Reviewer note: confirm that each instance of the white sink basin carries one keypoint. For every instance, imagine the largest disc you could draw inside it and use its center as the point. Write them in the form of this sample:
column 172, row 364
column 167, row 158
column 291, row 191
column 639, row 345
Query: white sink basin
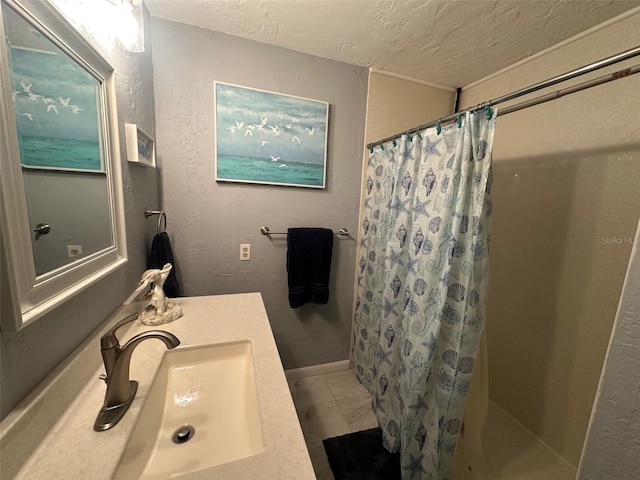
column 211, row 388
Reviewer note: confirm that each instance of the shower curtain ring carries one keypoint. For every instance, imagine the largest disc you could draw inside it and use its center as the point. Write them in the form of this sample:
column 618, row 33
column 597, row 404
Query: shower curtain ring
column 438, row 127
column 488, row 112
column 459, row 121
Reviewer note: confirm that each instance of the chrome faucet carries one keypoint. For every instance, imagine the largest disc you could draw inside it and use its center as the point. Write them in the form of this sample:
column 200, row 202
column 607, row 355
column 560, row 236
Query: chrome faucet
column 120, row 390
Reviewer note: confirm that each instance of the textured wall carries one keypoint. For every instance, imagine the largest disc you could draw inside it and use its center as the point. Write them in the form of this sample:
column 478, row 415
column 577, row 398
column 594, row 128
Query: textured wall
column 28, row 356
column 207, row 221
column 565, row 198
column 612, row 448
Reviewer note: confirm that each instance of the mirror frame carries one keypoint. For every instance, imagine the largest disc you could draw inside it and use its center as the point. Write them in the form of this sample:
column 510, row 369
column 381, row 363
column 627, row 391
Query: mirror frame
column 25, row 295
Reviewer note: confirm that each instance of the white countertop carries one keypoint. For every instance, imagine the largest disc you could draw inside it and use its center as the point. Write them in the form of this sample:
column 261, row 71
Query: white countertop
column 49, row 436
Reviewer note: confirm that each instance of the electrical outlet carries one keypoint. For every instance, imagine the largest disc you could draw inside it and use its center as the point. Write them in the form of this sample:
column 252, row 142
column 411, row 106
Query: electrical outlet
column 74, row 250
column 245, row 251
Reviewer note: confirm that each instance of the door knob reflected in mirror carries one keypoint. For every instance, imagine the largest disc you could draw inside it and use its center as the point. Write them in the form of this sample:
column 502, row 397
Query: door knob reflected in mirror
column 42, row 228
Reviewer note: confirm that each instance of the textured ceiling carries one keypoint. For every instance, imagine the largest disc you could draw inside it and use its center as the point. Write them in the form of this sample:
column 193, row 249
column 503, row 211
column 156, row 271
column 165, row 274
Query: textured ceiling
column 451, row 42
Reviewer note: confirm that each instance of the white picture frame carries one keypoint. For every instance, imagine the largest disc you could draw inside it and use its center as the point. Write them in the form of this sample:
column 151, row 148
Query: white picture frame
column 141, row 148
column 27, row 294
column 270, row 138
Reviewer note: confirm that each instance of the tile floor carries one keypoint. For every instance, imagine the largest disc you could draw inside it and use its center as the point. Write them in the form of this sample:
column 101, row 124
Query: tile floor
column 335, row 404
column 329, row 406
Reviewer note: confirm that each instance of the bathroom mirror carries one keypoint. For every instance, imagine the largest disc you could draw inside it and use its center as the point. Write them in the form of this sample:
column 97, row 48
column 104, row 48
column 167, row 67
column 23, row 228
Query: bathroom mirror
column 62, row 215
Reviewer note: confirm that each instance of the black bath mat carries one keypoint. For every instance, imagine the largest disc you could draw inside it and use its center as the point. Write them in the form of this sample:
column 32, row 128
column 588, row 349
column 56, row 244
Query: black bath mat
column 361, row 456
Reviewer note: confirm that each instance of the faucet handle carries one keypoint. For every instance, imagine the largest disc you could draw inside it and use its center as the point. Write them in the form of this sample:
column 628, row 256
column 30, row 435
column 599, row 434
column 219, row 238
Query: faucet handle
column 109, row 339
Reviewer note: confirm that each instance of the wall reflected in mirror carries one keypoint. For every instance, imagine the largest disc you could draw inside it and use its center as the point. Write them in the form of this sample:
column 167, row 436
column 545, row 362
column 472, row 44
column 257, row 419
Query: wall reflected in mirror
column 57, row 102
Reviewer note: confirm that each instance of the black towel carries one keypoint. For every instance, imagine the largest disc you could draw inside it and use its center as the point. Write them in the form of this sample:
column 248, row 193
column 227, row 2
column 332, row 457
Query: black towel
column 160, row 254
column 309, row 265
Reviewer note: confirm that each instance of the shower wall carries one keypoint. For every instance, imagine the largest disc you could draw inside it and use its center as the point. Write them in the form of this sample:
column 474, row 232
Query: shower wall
column 389, row 113
column 566, row 206
column 612, row 450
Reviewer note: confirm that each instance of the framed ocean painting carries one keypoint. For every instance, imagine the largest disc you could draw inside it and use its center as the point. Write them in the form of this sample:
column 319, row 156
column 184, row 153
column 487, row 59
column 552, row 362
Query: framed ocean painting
column 57, row 102
column 269, row 138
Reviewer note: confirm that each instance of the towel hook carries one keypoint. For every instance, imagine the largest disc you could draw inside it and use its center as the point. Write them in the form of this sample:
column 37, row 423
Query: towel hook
column 161, row 216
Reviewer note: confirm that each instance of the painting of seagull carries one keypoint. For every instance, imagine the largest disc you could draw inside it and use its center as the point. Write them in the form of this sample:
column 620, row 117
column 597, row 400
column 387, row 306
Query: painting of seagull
column 58, row 106
column 275, row 130
column 282, row 141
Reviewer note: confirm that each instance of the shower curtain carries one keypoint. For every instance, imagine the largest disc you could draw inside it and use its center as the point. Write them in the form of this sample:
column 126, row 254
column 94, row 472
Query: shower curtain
column 422, row 284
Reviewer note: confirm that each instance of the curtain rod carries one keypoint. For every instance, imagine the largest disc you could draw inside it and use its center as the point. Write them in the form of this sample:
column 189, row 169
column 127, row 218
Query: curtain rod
column 634, row 52
column 569, row 90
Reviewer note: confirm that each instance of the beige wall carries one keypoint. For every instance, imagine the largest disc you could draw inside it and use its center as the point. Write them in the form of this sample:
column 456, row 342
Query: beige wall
column 612, row 450
column 395, row 105
column 566, row 204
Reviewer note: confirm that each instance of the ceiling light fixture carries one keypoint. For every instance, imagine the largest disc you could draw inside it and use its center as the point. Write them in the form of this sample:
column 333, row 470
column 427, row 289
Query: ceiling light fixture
column 130, row 25
column 107, row 21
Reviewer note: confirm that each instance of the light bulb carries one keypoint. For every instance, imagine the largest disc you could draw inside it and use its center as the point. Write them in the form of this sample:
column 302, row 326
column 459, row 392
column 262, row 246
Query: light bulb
column 129, row 28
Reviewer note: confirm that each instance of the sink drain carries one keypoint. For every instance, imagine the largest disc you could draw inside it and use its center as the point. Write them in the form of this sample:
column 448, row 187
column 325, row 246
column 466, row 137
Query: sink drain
column 183, row 434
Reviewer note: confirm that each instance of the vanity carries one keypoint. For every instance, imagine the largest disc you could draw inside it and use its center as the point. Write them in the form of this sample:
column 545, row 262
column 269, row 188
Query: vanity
column 50, row 434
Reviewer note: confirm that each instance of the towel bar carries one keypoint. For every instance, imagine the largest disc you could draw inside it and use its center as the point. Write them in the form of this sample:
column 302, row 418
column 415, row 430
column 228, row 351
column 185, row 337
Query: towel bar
column 267, row 231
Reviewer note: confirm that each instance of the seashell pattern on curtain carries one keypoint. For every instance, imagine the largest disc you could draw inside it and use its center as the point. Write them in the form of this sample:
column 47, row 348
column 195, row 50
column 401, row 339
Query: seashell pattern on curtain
column 422, row 286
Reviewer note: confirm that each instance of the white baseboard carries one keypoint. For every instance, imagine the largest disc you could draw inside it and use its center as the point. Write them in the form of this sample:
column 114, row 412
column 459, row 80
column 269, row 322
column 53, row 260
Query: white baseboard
column 322, row 369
